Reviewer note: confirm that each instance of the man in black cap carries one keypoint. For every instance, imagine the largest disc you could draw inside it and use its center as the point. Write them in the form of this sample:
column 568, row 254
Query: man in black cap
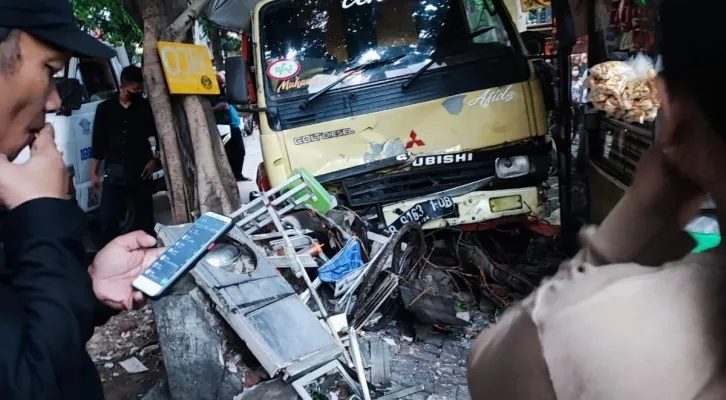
column 49, row 297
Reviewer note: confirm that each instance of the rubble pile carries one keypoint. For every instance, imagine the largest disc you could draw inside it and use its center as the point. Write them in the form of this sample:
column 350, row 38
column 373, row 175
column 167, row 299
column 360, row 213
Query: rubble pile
column 126, row 353
column 335, row 308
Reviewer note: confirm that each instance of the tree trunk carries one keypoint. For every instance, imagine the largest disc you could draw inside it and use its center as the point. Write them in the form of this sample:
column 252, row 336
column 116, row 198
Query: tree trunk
column 180, row 26
column 198, row 176
column 216, row 42
column 216, row 185
column 153, row 17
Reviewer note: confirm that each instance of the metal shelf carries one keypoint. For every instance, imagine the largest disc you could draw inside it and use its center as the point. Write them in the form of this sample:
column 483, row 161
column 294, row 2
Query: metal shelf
column 635, row 128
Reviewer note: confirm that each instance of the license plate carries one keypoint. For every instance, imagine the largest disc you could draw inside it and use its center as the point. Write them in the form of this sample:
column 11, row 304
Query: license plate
column 507, row 203
column 423, row 212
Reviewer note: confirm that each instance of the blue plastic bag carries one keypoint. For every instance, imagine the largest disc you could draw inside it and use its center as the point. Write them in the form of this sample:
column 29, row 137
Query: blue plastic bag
column 346, row 260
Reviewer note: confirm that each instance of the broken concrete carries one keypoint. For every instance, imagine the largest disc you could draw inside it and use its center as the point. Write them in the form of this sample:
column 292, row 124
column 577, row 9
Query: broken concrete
column 192, row 350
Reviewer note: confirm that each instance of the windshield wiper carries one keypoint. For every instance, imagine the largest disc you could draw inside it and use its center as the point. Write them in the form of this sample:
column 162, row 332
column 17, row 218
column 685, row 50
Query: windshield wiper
column 352, row 71
column 436, row 58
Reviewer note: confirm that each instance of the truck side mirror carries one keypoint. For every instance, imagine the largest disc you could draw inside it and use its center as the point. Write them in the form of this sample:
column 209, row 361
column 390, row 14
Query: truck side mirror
column 71, row 94
column 236, row 73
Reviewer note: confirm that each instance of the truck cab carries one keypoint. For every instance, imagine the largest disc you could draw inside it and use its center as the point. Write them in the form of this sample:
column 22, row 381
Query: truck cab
column 99, row 81
column 409, row 111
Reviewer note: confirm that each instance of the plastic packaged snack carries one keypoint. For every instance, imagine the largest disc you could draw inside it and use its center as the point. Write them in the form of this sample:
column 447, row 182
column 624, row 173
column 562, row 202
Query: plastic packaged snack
column 625, row 90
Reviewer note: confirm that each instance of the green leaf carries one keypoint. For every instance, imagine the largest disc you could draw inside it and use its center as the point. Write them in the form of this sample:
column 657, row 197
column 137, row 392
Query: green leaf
column 109, row 17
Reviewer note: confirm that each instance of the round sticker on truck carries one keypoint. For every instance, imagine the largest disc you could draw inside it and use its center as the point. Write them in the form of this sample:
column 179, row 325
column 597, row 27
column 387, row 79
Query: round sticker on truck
column 283, row 69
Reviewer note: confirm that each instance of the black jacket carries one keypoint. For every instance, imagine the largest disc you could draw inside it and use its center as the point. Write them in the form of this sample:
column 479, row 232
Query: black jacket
column 121, row 135
column 47, row 306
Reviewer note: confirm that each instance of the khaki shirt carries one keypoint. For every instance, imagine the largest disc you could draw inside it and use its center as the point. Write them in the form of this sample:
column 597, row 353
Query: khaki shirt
column 603, row 328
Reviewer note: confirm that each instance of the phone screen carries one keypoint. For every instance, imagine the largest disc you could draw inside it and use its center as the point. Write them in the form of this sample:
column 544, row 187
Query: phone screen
column 186, row 250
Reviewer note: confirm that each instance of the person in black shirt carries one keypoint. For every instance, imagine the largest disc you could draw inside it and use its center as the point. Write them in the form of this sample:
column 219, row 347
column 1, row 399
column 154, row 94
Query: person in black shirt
column 50, row 298
column 225, row 114
column 121, row 132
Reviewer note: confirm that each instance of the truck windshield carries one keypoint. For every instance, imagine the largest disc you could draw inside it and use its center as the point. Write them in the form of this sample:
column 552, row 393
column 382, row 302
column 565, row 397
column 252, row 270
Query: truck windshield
column 308, row 44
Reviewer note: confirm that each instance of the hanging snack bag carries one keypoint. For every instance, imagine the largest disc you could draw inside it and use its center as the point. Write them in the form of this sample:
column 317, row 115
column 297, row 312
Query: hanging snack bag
column 625, row 90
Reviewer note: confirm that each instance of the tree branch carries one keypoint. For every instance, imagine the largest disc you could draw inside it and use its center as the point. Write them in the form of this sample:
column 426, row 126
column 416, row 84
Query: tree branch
column 176, row 31
column 133, row 11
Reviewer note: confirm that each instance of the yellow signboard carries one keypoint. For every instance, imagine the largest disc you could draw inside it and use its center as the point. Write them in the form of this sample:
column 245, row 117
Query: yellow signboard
column 528, row 5
column 188, row 68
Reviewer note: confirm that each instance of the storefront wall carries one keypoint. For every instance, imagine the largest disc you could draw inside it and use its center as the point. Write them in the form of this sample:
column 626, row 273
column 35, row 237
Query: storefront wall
column 515, row 10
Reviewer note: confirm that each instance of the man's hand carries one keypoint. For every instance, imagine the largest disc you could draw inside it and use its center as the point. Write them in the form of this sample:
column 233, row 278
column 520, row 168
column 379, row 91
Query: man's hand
column 43, row 175
column 96, row 183
column 148, row 169
column 118, row 264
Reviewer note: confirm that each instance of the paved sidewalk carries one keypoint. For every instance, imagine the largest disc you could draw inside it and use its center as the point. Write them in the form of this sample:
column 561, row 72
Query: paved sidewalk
column 435, row 360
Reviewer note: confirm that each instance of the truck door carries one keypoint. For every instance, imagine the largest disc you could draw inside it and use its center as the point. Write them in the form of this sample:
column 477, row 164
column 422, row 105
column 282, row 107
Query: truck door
column 99, row 80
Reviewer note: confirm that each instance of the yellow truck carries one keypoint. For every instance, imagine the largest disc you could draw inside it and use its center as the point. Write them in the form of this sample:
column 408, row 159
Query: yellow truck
column 407, row 110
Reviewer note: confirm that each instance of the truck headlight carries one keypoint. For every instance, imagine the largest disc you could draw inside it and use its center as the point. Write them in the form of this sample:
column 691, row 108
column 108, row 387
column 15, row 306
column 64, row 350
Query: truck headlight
column 511, row 167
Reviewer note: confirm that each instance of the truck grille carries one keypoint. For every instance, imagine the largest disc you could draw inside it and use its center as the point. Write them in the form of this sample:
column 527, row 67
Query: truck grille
column 409, row 182
column 397, row 186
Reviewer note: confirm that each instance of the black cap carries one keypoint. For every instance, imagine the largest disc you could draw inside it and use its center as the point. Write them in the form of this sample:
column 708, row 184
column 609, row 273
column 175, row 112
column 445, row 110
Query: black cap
column 52, row 21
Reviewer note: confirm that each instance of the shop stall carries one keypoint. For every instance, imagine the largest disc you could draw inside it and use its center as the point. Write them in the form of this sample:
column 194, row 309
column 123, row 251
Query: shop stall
column 621, row 94
column 622, row 118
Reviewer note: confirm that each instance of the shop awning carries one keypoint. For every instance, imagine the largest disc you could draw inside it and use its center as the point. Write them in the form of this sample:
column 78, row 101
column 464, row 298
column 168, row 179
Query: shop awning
column 231, row 15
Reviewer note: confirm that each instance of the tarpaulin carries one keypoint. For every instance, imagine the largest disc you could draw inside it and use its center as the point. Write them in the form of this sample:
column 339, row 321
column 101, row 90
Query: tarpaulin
column 231, row 15
column 346, row 260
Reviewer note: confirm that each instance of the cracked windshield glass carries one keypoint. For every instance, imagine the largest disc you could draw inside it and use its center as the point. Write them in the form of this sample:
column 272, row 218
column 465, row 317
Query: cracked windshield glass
column 310, row 44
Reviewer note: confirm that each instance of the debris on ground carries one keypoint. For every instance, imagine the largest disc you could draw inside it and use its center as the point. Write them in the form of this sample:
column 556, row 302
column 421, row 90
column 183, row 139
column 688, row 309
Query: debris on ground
column 133, row 366
column 127, row 336
column 311, row 293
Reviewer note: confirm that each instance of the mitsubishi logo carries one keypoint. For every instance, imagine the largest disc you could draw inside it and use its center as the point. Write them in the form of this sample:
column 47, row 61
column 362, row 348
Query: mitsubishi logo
column 414, row 141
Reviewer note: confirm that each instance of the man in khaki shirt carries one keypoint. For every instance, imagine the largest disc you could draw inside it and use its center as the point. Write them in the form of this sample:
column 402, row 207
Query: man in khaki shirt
column 633, row 315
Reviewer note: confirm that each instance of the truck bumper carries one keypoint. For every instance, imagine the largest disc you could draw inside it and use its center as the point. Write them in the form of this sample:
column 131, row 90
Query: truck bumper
column 477, row 206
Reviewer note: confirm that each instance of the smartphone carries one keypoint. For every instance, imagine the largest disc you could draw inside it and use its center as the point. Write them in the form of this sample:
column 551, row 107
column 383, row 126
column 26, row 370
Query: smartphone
column 183, row 254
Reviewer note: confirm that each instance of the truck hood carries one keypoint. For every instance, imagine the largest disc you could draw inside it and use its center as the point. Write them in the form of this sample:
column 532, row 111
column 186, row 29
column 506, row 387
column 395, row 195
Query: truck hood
column 456, row 124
